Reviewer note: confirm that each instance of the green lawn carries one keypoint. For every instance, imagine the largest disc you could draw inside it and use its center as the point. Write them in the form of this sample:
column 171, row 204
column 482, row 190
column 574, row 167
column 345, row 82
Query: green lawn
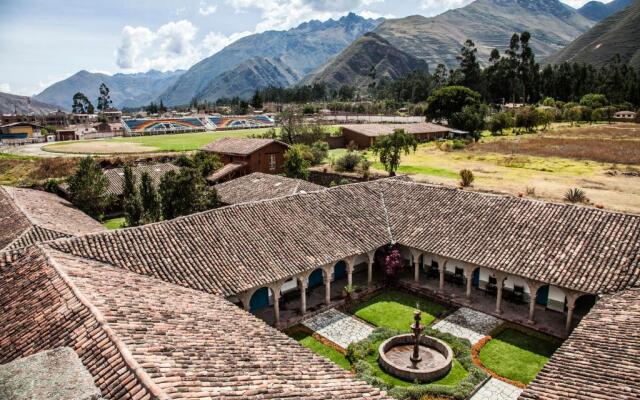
column 454, row 376
column 517, row 356
column 114, row 223
column 186, row 141
column 314, row 345
column 395, row 310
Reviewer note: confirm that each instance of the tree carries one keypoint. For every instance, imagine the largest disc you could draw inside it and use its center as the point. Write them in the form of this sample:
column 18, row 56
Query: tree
column 256, row 100
column 295, row 164
column 391, row 147
column 88, row 188
column 393, row 264
column 443, row 103
column 104, row 100
column 499, row 122
column 470, row 119
column 320, row 151
column 186, row 193
column 131, row 198
column 150, row 200
column 469, row 66
column 81, row 104
column 594, row 100
column 527, row 119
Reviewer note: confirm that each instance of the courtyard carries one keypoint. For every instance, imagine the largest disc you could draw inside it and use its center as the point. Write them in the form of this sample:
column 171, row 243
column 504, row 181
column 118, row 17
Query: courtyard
column 351, row 335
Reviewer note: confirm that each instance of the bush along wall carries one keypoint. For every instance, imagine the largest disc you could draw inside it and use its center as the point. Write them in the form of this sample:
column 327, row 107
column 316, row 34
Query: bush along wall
column 357, row 353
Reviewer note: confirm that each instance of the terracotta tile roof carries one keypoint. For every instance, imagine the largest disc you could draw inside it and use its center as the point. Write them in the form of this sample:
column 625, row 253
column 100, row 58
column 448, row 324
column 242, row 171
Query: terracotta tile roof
column 235, row 248
column 375, row 130
column 226, row 171
column 600, row 359
column 239, row 247
column 39, row 311
column 32, row 216
column 156, row 171
column 574, row 247
column 259, row 186
column 239, row 146
column 182, row 343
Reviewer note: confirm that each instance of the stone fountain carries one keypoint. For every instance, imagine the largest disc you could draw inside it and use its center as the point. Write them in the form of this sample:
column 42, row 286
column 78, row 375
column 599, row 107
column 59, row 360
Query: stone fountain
column 415, row 357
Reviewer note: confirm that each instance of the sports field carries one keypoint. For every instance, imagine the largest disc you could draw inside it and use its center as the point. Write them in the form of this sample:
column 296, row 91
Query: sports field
column 147, row 144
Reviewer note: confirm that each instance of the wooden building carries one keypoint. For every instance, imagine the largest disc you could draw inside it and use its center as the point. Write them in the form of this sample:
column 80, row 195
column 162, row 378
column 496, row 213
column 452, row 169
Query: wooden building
column 242, row 156
column 364, row 135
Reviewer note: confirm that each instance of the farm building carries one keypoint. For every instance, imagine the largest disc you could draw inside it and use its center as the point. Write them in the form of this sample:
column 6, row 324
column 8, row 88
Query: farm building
column 258, row 186
column 165, row 310
column 364, row 135
column 625, row 116
column 242, row 156
column 20, row 132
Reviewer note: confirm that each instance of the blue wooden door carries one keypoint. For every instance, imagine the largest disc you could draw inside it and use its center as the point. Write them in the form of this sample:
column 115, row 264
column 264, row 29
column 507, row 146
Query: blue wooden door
column 315, row 279
column 476, row 278
column 260, row 299
column 340, row 270
column 543, row 295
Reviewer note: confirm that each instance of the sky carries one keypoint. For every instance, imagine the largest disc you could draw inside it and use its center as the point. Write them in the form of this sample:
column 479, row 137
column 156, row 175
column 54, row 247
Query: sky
column 44, row 41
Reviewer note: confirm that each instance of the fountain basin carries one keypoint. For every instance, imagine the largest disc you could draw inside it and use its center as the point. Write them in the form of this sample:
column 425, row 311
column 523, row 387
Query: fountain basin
column 395, row 353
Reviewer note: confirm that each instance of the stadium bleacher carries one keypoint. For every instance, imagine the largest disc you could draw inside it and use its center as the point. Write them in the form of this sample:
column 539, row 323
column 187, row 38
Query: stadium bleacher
column 155, row 126
column 222, row 122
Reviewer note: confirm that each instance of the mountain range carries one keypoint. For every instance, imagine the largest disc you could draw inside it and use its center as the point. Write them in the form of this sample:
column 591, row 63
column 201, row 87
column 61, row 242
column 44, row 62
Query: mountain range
column 126, row 90
column 338, row 52
column 616, row 35
column 369, row 57
column 302, row 49
column 11, row 103
column 598, row 11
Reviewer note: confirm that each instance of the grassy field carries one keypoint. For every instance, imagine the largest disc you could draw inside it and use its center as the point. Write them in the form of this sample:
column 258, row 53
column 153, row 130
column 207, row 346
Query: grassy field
column 516, row 355
column 540, row 165
column 314, row 345
column 114, row 223
column 395, row 310
column 151, row 144
column 20, row 170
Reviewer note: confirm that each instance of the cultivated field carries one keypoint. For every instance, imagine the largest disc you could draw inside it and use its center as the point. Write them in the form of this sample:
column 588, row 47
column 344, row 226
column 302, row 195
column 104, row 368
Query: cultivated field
column 543, row 165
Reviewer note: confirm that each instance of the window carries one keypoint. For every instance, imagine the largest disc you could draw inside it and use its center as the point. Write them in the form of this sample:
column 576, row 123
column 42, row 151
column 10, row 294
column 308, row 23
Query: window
column 272, row 162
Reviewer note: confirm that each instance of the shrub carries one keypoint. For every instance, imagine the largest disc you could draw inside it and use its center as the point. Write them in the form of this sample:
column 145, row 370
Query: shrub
column 319, row 151
column 466, row 178
column 576, row 195
column 358, row 351
column 349, row 161
column 499, row 122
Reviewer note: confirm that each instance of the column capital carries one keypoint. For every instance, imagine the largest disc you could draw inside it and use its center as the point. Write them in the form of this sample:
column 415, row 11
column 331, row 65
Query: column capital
column 371, row 255
column 468, row 270
column 415, row 253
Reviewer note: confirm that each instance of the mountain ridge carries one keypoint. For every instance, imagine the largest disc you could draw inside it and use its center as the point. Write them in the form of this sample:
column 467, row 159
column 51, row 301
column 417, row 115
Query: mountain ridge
column 12, row 103
column 598, row 11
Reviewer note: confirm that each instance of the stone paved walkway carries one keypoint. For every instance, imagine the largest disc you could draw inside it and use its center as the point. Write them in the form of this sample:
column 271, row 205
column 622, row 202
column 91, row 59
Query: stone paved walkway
column 495, row 389
column 468, row 324
column 338, row 327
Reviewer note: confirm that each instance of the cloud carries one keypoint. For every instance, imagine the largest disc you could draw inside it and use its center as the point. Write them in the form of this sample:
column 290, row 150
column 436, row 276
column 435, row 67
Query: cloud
column 435, row 7
column 285, row 14
column 206, row 9
column 172, row 46
column 5, row 87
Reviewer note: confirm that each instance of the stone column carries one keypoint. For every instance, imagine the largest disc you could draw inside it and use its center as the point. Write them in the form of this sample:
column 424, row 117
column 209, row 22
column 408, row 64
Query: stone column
column 303, row 295
column 533, row 293
column 469, row 276
column 499, row 284
column 369, row 272
column 245, row 299
column 327, row 286
column 276, row 307
column 349, row 274
column 571, row 305
column 441, row 269
column 415, row 256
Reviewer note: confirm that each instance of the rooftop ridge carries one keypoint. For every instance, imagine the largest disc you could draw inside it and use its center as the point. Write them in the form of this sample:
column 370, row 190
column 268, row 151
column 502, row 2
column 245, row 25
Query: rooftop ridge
column 135, row 367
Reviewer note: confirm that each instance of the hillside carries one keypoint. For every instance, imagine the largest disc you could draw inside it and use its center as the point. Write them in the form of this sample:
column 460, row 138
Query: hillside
column 618, row 34
column 302, row 49
column 245, row 78
column 370, row 52
column 490, row 24
column 11, row 103
column 127, row 90
column 598, row 11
